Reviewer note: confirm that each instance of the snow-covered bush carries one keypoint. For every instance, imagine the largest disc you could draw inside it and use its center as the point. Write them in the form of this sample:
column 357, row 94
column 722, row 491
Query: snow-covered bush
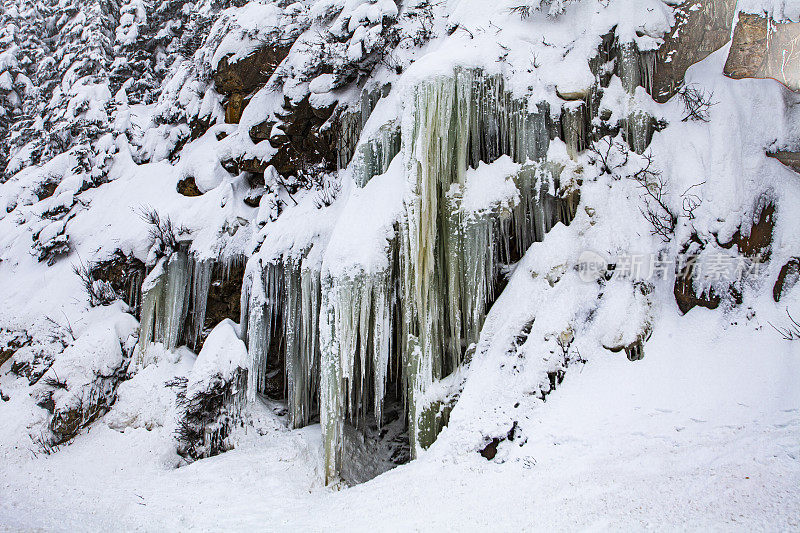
column 211, row 399
column 81, row 384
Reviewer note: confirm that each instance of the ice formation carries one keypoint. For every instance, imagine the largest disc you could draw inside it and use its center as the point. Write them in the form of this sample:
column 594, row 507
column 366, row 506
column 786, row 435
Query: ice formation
column 174, row 300
column 347, row 327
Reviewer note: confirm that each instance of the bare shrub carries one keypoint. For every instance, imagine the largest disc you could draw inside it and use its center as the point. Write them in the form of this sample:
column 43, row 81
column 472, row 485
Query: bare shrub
column 697, row 102
column 791, row 332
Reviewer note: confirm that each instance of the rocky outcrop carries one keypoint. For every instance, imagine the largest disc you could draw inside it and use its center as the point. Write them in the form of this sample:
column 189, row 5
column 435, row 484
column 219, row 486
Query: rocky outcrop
column 125, row 274
column 303, row 138
column 224, row 296
column 10, row 342
column 33, row 360
column 687, row 296
column 763, row 48
column 239, row 79
column 753, row 242
column 757, row 241
column 188, row 187
column 787, row 279
column 701, row 28
column 81, row 385
column 790, row 159
column 212, row 398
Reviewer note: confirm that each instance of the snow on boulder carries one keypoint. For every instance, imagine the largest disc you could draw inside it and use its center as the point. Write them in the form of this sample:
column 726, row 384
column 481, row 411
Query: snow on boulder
column 490, row 187
column 322, row 84
column 223, row 354
column 81, row 384
column 214, row 397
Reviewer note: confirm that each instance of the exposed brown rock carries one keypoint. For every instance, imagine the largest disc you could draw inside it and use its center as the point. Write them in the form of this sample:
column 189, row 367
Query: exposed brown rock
column 685, row 294
column 125, row 274
column 302, row 143
column 701, row 28
column 5, row 355
column 758, row 241
column 756, row 244
column 224, row 297
column 188, row 187
column 234, row 108
column 790, row 159
column 46, row 190
column 10, row 342
column 198, row 127
column 788, row 278
column 763, row 48
column 253, row 201
column 261, row 132
column 249, row 73
column 31, row 361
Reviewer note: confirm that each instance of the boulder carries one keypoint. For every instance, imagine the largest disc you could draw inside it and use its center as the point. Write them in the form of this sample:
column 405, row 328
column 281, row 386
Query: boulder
column 249, row 73
column 764, row 48
column 10, row 342
column 701, row 28
column 790, row 159
column 787, row 278
column 303, row 140
column 188, row 187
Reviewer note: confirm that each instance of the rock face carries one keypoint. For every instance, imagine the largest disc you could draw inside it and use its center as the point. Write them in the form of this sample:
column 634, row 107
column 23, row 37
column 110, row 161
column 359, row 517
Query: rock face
column 700, row 29
column 788, row 278
column 224, row 295
column 687, row 297
column 762, row 48
column 188, row 187
column 758, row 241
column 238, row 80
column 754, row 243
column 790, row 159
column 125, row 274
column 10, row 342
column 303, row 140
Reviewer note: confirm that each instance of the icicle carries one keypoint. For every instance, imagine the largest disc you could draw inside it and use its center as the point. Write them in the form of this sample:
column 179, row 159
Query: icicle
column 629, row 66
column 639, row 130
column 302, row 345
column 133, row 297
column 356, row 346
column 152, row 302
column 351, row 124
column 331, row 390
column 647, row 66
column 573, row 125
column 375, row 154
column 165, row 304
column 445, row 261
column 201, row 284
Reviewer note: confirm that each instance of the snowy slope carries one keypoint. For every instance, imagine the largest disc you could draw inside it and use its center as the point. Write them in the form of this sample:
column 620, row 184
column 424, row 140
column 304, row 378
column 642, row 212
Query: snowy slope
column 702, row 433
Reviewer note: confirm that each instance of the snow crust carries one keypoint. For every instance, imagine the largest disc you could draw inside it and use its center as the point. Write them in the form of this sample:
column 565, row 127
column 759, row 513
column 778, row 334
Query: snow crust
column 222, row 355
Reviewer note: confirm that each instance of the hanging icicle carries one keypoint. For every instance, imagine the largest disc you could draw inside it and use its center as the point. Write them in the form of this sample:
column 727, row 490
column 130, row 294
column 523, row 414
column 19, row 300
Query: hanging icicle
column 344, row 333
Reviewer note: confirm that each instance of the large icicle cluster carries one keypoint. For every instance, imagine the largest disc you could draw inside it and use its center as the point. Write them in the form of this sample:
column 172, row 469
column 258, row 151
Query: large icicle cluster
column 345, row 326
column 175, row 298
column 281, row 306
column 451, row 255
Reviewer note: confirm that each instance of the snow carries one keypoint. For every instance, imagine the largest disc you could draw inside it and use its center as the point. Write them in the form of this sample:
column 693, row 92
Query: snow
column 778, row 10
column 490, row 187
column 360, row 241
column 665, row 442
column 701, row 433
column 222, row 355
column 144, row 401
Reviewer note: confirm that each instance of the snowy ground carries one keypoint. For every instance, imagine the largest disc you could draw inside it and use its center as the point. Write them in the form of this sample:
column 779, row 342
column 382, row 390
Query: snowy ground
column 703, row 433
